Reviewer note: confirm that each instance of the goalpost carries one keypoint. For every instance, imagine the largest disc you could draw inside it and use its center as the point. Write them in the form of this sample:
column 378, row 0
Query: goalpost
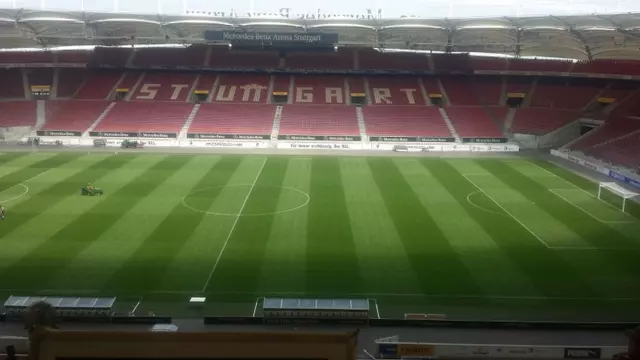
column 618, row 191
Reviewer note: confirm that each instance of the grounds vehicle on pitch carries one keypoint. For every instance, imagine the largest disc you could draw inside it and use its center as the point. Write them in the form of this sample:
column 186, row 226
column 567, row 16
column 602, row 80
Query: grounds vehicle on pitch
column 91, row 191
column 131, row 144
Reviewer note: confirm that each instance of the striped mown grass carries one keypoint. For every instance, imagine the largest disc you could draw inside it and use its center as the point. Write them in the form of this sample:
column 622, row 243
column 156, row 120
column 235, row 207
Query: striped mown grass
column 471, row 237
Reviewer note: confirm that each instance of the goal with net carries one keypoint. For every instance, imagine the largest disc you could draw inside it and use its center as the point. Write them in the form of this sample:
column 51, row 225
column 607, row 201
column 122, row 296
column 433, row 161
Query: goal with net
column 615, row 194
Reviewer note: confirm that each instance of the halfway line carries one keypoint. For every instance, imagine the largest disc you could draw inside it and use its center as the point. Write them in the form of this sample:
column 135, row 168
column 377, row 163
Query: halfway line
column 233, row 227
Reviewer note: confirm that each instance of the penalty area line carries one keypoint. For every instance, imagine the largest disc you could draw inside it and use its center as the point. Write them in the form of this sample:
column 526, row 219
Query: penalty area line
column 572, row 184
column 507, row 212
column 555, row 192
column 233, row 227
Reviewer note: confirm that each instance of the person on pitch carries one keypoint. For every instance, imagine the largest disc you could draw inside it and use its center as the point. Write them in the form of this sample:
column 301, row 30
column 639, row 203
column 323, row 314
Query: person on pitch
column 89, row 186
column 1, row 212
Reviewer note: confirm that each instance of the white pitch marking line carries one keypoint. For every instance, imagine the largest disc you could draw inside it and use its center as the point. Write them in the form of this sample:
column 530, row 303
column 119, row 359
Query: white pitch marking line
column 588, row 213
column 570, row 183
column 480, row 207
column 136, row 307
column 26, row 190
column 506, row 211
column 233, row 227
column 24, row 186
column 29, row 179
column 255, row 308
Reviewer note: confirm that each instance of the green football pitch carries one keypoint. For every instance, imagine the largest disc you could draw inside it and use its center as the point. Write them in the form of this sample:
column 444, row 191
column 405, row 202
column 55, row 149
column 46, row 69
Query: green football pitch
column 469, row 237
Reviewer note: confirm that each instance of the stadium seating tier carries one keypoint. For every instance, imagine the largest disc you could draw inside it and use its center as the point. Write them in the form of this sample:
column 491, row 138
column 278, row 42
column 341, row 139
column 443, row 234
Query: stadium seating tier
column 473, row 121
column 405, row 121
column 146, row 116
column 320, row 120
column 12, row 87
column 248, row 119
column 17, row 113
column 74, row 115
column 540, row 121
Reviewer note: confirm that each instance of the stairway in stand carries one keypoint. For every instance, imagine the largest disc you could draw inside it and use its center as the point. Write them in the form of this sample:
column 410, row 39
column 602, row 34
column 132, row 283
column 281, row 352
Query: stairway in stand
column 187, row 124
column 363, row 129
column 276, row 123
column 102, row 116
column 450, row 125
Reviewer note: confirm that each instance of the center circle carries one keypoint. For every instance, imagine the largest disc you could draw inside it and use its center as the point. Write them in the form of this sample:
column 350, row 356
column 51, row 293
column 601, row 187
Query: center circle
column 231, row 200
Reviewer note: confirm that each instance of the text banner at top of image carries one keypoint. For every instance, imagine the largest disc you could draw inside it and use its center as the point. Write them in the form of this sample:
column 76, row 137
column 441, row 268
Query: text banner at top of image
column 272, row 37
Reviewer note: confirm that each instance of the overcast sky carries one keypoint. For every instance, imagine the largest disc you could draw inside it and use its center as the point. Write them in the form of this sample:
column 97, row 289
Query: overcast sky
column 388, row 8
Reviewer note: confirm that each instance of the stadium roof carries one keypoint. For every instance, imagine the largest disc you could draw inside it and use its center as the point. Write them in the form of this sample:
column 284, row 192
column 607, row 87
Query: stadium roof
column 578, row 37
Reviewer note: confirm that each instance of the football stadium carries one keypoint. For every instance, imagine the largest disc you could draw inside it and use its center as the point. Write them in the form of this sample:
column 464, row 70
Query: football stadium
column 422, row 165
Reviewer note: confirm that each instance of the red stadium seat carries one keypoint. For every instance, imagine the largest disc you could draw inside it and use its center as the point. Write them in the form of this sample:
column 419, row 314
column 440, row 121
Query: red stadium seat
column 222, row 57
column 192, row 56
column 73, row 57
column 98, row 85
column 242, row 88
column 69, row 81
column 319, row 120
column 563, row 93
column 73, row 115
column 17, row 113
column 405, row 121
column 473, row 121
column 452, row 62
column 370, row 59
column 625, row 151
column 163, row 86
column 249, row 119
column 12, row 87
column 318, row 90
column 146, row 116
column 109, row 56
column 395, row 91
column 540, row 121
column 488, row 63
column 339, row 60
column 539, row 65
column 460, row 90
column 26, row 57
column 611, row 130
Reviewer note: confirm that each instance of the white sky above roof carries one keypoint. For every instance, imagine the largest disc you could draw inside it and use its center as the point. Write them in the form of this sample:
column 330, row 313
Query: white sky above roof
column 388, row 8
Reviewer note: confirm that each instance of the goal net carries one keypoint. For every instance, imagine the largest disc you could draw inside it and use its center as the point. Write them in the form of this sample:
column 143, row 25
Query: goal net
column 616, row 195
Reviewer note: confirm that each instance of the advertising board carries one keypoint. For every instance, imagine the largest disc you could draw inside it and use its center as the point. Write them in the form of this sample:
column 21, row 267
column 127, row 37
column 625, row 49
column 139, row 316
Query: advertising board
column 273, row 38
column 327, row 146
column 150, row 135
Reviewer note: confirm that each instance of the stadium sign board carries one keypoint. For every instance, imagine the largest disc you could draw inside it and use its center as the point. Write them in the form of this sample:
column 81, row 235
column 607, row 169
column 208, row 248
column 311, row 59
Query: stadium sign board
column 155, row 135
column 227, row 136
column 318, row 138
column 603, row 169
column 58, row 133
column 616, row 175
column 273, row 38
column 485, row 140
column 410, row 139
column 324, row 145
column 582, row 353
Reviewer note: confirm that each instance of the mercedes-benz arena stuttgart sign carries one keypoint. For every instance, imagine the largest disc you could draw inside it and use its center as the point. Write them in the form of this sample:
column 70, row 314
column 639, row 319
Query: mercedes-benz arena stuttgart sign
column 531, row 28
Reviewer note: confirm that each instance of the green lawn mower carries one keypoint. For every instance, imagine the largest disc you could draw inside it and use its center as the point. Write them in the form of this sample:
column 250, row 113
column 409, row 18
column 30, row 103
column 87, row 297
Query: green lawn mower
column 86, row 191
